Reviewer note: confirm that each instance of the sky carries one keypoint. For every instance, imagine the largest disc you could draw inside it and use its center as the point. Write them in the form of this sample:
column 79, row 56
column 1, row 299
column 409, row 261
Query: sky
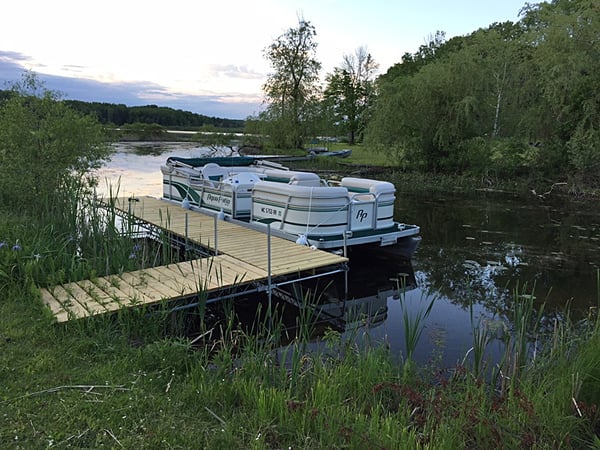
column 208, row 56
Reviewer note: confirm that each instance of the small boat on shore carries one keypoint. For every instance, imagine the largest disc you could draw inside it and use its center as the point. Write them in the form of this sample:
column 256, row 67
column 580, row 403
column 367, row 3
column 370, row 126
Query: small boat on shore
column 323, row 152
column 298, row 205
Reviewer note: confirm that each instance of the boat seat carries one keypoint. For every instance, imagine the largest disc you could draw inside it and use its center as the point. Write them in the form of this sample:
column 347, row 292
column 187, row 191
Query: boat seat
column 294, row 178
column 214, row 172
column 361, row 197
column 310, row 182
column 245, row 178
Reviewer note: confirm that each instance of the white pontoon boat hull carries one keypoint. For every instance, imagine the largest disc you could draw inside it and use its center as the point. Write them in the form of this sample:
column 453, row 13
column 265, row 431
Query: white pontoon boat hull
column 295, row 205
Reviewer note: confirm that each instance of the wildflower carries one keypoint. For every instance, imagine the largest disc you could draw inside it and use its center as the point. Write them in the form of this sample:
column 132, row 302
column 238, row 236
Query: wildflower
column 37, row 256
column 132, row 255
column 16, row 247
column 3, row 244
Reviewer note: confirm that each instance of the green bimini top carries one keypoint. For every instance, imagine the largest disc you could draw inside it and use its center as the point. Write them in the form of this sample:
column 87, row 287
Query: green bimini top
column 227, row 161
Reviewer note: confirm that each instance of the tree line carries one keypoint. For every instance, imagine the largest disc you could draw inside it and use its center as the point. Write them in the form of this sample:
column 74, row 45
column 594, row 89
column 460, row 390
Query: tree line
column 512, row 99
column 509, row 99
column 120, row 114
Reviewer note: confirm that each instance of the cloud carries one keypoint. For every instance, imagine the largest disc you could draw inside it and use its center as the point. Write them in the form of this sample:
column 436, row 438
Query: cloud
column 12, row 65
column 136, row 93
column 236, row 72
column 13, row 56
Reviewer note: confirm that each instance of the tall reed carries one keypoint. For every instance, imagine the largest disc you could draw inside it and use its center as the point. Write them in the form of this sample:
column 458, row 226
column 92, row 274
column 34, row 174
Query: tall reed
column 413, row 329
column 481, row 339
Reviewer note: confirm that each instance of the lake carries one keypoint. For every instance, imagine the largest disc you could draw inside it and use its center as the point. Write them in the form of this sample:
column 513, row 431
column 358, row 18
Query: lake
column 478, row 252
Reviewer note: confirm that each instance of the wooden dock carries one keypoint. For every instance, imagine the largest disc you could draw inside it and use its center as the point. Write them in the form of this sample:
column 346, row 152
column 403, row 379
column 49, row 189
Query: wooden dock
column 242, row 259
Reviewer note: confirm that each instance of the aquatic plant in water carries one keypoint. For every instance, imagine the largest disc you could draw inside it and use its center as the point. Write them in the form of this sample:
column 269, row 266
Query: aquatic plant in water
column 413, row 328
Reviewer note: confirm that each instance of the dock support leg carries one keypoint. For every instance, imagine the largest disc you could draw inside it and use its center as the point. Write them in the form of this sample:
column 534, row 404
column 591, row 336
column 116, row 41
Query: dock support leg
column 345, row 292
column 345, row 271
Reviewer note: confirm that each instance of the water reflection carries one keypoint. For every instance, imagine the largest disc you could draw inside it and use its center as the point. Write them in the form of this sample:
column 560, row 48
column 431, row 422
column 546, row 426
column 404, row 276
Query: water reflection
column 134, row 167
column 477, row 252
column 362, row 297
column 486, row 247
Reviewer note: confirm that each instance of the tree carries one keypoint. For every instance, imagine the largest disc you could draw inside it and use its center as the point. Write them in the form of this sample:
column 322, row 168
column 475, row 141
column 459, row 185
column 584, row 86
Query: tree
column 512, row 98
column 412, row 62
column 44, row 145
column 567, row 57
column 292, row 89
column 350, row 90
column 453, row 99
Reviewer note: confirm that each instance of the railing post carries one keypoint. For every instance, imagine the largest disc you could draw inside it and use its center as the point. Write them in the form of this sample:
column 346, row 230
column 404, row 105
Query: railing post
column 186, row 232
column 375, row 211
column 269, row 287
column 216, row 236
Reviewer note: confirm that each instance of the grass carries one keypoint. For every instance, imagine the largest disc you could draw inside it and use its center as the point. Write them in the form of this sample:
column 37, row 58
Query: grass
column 136, row 380
column 366, row 161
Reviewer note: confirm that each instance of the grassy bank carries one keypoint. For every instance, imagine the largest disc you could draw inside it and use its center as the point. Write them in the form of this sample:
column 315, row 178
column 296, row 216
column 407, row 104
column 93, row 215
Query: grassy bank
column 137, row 380
column 365, row 161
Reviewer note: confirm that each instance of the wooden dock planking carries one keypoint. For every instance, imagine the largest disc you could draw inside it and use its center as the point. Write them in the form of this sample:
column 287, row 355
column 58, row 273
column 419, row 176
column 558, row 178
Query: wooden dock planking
column 134, row 288
column 151, row 279
column 241, row 267
column 121, row 294
column 68, row 303
column 146, row 287
column 110, row 297
column 296, row 259
column 242, row 259
column 82, row 298
column 182, row 286
column 235, row 240
column 139, row 280
column 243, row 243
column 95, row 292
column 210, row 275
column 60, row 314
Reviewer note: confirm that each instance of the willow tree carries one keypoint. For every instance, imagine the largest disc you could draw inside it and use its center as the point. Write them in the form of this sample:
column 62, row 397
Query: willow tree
column 292, row 89
column 566, row 35
column 350, row 89
column 454, row 106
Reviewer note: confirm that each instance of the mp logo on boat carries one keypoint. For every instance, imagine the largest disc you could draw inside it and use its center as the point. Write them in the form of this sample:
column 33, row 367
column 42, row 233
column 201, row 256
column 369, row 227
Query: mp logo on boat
column 361, row 215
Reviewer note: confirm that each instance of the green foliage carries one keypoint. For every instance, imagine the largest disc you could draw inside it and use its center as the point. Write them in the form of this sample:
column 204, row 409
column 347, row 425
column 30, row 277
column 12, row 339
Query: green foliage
column 291, row 90
column 499, row 157
column 350, row 90
column 511, row 98
column 568, row 58
column 119, row 114
column 145, row 131
column 283, row 130
column 44, row 145
column 450, row 100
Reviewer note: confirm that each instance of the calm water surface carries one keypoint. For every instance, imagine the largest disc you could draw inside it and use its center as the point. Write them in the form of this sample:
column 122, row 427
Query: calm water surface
column 477, row 253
